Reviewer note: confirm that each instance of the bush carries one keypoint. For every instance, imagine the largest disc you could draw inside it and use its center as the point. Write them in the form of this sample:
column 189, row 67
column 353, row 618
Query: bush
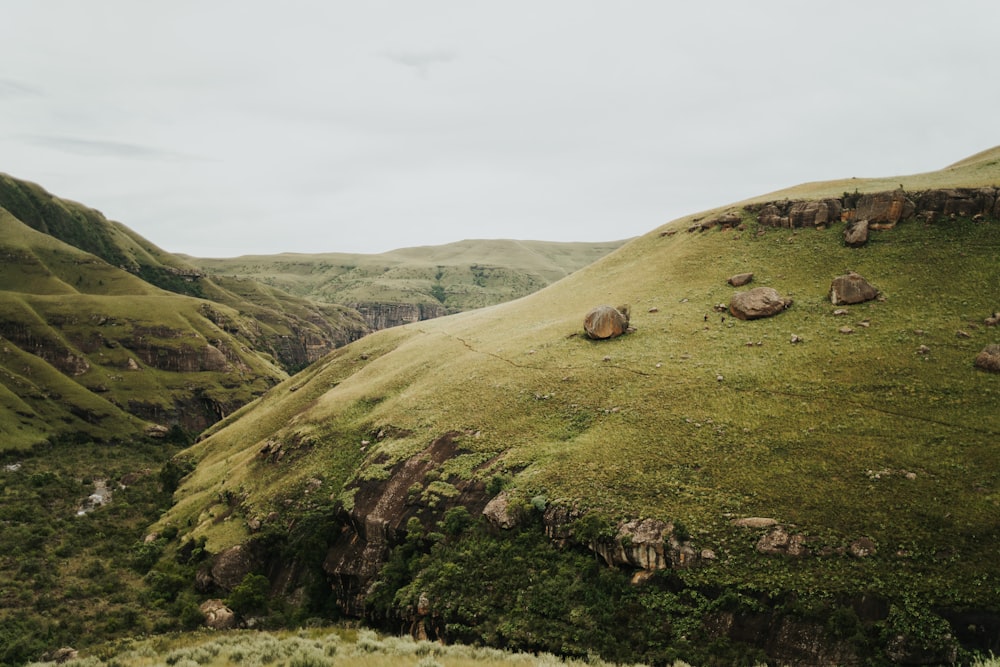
column 250, row 595
column 456, row 520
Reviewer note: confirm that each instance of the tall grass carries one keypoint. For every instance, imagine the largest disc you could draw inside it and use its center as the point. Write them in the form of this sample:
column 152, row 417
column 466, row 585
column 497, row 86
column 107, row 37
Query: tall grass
column 318, row 647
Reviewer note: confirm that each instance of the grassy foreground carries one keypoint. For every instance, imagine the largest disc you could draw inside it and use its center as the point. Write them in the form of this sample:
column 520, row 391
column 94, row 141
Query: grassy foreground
column 320, row 647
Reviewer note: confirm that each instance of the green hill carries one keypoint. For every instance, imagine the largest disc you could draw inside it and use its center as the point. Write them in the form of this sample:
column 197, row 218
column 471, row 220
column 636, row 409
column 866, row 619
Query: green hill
column 817, row 502
column 104, row 334
column 447, row 279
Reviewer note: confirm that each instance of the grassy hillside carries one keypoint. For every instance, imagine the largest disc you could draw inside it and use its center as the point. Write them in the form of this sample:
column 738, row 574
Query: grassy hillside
column 102, row 332
column 855, row 443
column 460, row 276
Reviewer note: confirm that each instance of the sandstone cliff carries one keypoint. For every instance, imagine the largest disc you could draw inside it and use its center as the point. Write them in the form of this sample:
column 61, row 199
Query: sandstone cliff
column 386, row 315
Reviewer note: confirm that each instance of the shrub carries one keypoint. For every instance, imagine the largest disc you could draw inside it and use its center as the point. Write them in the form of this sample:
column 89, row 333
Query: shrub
column 456, row 520
column 250, row 595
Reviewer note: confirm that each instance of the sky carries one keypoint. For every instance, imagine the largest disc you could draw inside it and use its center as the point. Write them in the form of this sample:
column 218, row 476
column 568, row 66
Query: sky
column 218, row 128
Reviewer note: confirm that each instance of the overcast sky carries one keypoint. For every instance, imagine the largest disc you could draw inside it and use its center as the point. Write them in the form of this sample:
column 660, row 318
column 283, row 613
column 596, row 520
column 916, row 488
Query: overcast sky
column 219, row 128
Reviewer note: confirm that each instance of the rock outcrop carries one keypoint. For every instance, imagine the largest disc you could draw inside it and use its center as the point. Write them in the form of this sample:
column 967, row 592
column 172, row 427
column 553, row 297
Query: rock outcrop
column 779, row 542
column 605, row 322
column 500, row 513
column 881, row 210
column 814, row 213
column 229, row 567
column 387, row 315
column 382, row 510
column 851, row 288
column 757, row 303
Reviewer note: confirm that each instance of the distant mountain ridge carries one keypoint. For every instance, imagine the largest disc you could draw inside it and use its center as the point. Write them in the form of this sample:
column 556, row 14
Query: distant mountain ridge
column 413, row 284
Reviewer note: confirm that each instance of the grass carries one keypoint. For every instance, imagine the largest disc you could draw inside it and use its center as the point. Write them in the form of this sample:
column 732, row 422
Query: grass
column 317, row 647
column 844, row 403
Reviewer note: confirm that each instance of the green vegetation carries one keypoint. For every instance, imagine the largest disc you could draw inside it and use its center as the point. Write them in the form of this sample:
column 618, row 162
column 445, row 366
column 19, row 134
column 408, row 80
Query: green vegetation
column 460, row 276
column 313, row 647
column 73, row 575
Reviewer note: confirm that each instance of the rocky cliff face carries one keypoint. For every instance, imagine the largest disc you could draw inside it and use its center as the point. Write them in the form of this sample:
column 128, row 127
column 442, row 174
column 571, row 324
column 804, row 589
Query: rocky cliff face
column 382, row 508
column 882, row 210
column 386, row 315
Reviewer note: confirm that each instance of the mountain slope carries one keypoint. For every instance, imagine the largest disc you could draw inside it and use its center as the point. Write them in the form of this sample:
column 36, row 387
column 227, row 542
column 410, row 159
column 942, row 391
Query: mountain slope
column 440, row 279
column 862, row 463
column 119, row 333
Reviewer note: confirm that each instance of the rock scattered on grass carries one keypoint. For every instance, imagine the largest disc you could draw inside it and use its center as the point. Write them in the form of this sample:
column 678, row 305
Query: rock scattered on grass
column 962, row 334
column 795, row 338
column 779, row 542
column 989, row 359
column 757, row 303
column 846, row 330
column 740, row 279
column 862, row 547
column 851, row 288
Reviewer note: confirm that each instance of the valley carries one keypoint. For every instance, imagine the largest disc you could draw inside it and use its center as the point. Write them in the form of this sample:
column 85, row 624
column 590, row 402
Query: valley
column 814, row 486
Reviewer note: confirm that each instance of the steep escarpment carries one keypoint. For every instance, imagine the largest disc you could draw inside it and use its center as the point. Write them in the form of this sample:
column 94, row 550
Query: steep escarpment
column 387, row 315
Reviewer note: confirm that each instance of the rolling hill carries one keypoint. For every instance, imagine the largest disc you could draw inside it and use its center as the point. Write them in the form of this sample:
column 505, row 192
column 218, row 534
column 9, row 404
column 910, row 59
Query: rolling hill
column 816, row 487
column 105, row 335
column 412, row 284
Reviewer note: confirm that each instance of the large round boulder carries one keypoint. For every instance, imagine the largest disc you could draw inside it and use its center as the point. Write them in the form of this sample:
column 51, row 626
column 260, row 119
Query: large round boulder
column 851, row 288
column 217, row 615
column 605, row 322
column 757, row 303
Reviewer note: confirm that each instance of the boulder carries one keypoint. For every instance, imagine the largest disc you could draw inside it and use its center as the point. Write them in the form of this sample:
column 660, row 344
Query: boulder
column 851, row 288
column 884, row 209
column 779, row 542
column 740, row 279
column 856, row 233
column 770, row 216
column 500, row 513
column 605, row 322
column 757, row 303
column 814, row 213
column 989, row 359
column 231, row 566
column 217, row 615
column 61, row 655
